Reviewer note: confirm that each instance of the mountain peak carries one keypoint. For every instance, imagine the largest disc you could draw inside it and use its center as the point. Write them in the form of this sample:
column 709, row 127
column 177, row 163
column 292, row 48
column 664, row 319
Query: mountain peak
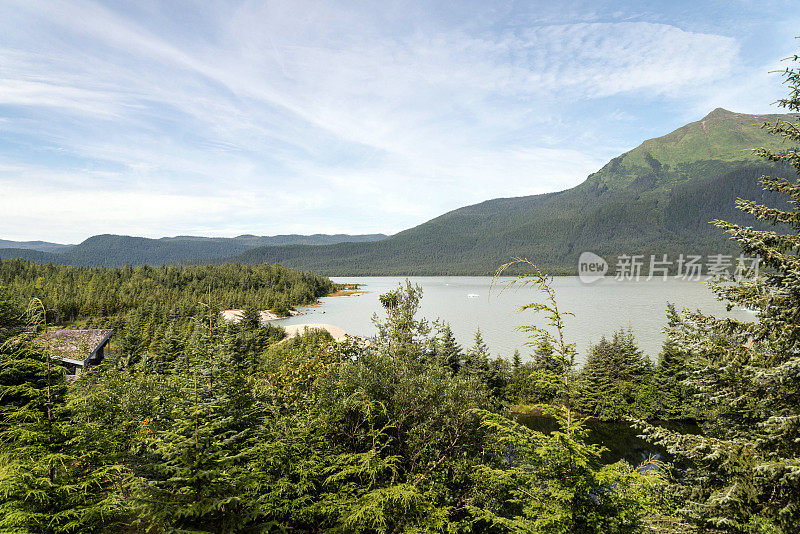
column 719, row 113
column 721, row 136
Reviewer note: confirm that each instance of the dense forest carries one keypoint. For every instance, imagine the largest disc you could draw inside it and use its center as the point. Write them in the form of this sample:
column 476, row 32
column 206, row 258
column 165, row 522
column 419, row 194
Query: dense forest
column 234, row 429
column 226, row 435
column 70, row 293
column 154, row 308
column 41, row 246
column 119, row 250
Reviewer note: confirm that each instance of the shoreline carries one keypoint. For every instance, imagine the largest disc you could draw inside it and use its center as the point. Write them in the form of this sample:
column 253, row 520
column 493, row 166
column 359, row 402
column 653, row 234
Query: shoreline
column 348, row 293
column 265, row 316
column 349, row 290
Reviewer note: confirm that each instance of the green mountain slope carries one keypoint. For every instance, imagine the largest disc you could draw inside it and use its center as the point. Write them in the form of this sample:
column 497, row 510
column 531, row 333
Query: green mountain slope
column 43, row 246
column 116, row 250
column 657, row 198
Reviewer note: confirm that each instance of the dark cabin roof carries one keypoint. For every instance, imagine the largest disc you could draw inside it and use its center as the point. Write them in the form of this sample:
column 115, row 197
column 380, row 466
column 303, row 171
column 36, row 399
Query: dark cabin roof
column 80, row 345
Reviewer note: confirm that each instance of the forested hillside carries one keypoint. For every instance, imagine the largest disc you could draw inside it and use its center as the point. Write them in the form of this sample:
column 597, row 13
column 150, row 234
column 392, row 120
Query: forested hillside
column 656, row 198
column 117, row 250
column 44, row 246
column 149, row 306
column 71, row 293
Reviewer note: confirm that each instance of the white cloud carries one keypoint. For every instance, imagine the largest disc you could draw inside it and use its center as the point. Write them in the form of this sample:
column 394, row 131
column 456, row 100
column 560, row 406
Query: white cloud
column 29, row 210
column 264, row 117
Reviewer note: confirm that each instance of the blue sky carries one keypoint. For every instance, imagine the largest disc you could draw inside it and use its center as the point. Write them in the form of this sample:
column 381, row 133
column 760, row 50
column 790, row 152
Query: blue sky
column 223, row 118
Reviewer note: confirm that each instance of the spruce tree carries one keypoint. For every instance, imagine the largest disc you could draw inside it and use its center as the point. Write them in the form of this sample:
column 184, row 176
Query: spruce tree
column 32, row 441
column 193, row 474
column 476, row 360
column 615, row 380
column 11, row 314
column 516, row 360
column 497, row 377
column 597, row 394
column 669, row 379
column 250, row 319
column 170, row 349
column 449, row 351
column 545, row 359
column 745, row 468
column 132, row 340
column 51, row 480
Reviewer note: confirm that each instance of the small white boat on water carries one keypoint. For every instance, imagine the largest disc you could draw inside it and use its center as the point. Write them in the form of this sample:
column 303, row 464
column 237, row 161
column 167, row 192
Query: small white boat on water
column 472, row 295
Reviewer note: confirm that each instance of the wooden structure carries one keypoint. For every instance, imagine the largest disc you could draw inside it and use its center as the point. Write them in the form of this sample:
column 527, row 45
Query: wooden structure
column 76, row 349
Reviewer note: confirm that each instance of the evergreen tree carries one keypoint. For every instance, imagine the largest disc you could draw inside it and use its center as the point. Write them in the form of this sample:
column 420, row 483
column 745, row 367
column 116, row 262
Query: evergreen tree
column 11, row 315
column 194, row 475
column 615, row 381
column 250, row 319
column 745, row 468
column 597, row 392
column 133, row 343
column 51, row 481
column 476, row 360
column 497, row 377
column 555, row 482
column 170, row 348
column 544, row 358
column 669, row 380
column 32, row 391
column 479, row 348
column 147, row 299
column 516, row 360
column 380, row 443
column 403, row 336
column 449, row 351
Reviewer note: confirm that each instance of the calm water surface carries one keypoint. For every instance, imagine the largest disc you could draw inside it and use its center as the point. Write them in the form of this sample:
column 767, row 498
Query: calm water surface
column 599, row 308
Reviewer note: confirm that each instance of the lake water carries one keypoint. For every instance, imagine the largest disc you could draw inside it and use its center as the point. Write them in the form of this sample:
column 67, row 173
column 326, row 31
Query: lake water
column 600, row 308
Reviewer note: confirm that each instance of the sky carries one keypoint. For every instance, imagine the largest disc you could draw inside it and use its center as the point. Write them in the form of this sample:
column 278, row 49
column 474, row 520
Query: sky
column 225, row 118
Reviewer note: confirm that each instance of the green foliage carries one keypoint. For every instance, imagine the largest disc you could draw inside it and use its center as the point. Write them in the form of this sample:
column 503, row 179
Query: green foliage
column 448, row 351
column 145, row 305
column 675, row 396
column 194, row 473
column 545, row 359
column 402, row 335
column 721, row 135
column 11, row 314
column 382, row 442
column 556, row 482
column 615, row 381
column 476, row 360
column 743, row 471
column 71, row 293
column 52, row 479
column 516, row 360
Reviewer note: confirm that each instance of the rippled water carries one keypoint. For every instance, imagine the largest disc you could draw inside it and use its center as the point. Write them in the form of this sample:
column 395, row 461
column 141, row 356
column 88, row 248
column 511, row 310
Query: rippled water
column 467, row 303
